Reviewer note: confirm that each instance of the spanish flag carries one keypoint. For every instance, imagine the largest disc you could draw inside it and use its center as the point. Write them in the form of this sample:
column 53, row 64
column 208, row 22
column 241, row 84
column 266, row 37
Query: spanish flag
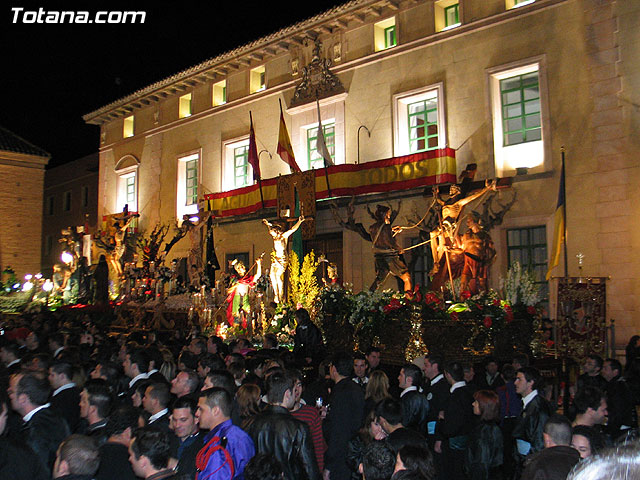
column 559, row 226
column 284, row 148
column 252, row 155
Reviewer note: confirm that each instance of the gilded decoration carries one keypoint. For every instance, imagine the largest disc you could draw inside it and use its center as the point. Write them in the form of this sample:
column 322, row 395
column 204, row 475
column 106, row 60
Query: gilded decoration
column 581, row 316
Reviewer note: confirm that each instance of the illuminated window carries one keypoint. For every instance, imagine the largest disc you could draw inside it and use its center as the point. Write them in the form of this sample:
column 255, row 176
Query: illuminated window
column 127, row 183
column 314, row 158
column 191, row 186
column 447, row 14
column 127, row 130
column 237, row 171
column 509, row 4
column 520, row 97
column 128, row 191
column 528, row 246
column 220, row 93
column 187, row 187
column 423, row 125
column 419, row 121
column 241, row 166
column 184, row 108
column 257, row 80
column 66, row 201
column 519, row 111
column 451, row 15
column 384, row 34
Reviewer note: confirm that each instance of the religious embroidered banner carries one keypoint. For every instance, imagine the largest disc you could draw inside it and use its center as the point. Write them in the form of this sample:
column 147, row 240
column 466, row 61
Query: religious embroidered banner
column 581, row 316
column 388, row 175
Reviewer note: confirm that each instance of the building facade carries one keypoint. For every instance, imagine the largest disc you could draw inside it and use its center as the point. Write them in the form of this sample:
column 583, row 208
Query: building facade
column 22, row 167
column 70, row 201
column 505, row 84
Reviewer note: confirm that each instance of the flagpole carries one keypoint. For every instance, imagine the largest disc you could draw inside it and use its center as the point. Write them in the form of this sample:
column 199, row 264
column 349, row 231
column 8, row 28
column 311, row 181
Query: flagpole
column 253, row 134
column 324, row 160
column 291, row 169
column 564, row 214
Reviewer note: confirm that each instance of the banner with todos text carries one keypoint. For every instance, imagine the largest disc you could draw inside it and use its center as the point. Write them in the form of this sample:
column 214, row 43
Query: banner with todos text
column 387, row 175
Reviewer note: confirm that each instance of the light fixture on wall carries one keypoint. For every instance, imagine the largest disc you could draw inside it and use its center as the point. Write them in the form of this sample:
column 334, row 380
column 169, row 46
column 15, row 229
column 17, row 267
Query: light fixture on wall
column 368, row 133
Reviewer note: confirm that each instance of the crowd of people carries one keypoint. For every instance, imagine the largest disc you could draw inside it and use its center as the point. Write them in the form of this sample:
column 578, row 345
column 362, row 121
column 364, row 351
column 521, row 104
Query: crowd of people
column 79, row 402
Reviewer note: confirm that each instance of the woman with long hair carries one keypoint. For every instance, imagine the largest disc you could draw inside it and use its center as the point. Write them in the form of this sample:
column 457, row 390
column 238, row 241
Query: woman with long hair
column 370, row 432
column 376, row 391
column 248, row 398
column 485, row 451
column 414, row 462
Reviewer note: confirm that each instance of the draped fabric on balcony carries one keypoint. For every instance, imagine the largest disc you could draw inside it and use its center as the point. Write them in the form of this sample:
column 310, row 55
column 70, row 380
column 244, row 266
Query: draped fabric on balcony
column 387, row 175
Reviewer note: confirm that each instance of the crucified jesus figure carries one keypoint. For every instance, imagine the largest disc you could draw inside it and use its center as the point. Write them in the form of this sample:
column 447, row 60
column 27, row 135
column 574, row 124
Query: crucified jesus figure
column 445, row 235
column 279, row 260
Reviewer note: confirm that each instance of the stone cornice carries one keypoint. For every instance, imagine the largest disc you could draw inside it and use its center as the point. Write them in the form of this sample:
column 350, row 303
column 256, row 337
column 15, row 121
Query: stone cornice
column 332, row 21
column 23, row 160
column 256, row 52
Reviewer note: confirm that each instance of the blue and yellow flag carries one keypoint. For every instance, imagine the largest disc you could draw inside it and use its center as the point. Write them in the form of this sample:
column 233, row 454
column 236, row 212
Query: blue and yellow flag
column 559, row 227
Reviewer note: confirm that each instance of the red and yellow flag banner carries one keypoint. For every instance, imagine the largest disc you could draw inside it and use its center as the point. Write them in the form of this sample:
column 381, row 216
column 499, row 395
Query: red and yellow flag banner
column 388, row 175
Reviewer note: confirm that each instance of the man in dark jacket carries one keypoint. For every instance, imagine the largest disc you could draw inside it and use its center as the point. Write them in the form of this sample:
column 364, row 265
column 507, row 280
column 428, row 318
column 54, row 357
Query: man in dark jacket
column 437, row 394
column 185, row 427
column 95, row 406
column 456, row 421
column 528, row 430
column 276, row 432
column 13, row 452
column 620, row 405
column 308, row 347
column 43, row 429
column 344, row 418
column 65, row 399
column 415, row 406
column 558, row 457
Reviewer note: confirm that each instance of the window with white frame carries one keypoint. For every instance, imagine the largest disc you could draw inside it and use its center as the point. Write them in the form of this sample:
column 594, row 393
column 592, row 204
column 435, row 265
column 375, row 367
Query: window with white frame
column 127, row 190
column 519, row 110
column 187, row 185
column 237, row 172
column 304, row 129
column 419, row 120
column 127, row 184
column 314, row 159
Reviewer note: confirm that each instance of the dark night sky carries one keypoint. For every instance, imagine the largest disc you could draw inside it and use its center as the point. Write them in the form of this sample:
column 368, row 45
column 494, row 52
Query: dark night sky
column 54, row 74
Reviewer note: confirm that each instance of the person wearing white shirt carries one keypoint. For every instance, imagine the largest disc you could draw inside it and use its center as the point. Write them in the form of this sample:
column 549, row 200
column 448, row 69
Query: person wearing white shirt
column 535, row 413
column 43, row 430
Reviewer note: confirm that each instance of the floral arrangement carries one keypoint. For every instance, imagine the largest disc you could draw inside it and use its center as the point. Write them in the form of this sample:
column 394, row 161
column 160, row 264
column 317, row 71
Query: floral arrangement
column 519, row 286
